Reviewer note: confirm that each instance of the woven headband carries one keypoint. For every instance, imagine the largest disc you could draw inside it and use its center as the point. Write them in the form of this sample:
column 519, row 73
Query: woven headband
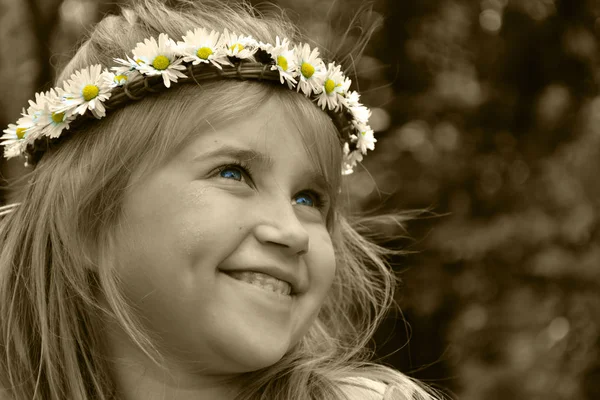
column 201, row 55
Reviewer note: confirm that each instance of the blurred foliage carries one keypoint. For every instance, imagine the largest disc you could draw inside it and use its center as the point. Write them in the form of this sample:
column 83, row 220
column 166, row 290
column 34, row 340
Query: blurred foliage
column 495, row 124
column 488, row 114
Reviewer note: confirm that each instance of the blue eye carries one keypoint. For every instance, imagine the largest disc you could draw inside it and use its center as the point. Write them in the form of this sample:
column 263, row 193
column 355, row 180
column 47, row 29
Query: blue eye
column 308, row 199
column 231, row 173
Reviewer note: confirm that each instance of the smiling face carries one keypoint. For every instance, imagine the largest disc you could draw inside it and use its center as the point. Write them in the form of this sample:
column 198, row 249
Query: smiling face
column 244, row 196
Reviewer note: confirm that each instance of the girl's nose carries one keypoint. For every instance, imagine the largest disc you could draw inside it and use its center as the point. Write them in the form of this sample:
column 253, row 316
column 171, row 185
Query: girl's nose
column 282, row 227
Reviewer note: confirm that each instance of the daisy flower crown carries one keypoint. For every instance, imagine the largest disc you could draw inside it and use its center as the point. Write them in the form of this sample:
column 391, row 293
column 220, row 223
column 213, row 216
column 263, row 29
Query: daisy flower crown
column 201, row 55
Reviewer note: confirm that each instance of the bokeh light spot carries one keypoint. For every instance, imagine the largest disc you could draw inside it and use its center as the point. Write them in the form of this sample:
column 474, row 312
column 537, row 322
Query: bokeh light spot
column 558, row 328
column 490, row 20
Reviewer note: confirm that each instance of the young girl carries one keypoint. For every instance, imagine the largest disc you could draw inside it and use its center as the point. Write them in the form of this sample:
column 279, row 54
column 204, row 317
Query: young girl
column 181, row 234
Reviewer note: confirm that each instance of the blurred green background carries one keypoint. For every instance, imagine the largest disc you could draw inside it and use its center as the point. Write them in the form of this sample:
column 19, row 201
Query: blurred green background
column 488, row 114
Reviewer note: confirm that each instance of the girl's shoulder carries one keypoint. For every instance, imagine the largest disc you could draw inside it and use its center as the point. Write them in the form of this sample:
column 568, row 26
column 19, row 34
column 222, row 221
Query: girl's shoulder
column 362, row 388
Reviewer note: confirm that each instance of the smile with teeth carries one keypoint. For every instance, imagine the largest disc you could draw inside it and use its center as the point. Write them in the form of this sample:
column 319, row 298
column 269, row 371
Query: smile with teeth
column 263, row 281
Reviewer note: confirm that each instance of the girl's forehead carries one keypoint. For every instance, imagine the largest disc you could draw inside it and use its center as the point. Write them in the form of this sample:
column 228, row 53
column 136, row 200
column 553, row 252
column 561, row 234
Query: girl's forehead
column 267, row 137
column 189, row 123
column 283, row 131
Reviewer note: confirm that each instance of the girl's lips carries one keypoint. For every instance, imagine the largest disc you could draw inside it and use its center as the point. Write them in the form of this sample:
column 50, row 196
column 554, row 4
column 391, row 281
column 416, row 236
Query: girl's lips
column 249, row 294
column 266, row 282
column 285, row 275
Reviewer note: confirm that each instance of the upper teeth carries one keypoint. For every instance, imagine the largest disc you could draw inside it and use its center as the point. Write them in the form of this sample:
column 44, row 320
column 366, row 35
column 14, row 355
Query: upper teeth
column 262, row 280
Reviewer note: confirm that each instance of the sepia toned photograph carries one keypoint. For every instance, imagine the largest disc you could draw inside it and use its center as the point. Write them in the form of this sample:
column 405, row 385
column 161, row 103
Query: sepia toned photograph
column 299, row 200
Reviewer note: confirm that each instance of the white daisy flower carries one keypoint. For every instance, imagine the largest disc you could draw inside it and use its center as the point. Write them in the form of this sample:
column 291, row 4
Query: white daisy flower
column 312, row 70
column 352, row 99
column 350, row 159
column 86, row 90
column 17, row 136
column 284, row 60
column 40, row 112
column 345, row 86
column 55, row 123
column 242, row 47
column 355, row 157
column 159, row 58
column 41, row 98
column 16, row 132
column 46, row 117
column 51, row 123
column 128, row 65
column 365, row 140
column 113, row 80
column 199, row 46
column 14, row 149
column 125, row 73
column 335, row 85
column 361, row 114
column 13, row 133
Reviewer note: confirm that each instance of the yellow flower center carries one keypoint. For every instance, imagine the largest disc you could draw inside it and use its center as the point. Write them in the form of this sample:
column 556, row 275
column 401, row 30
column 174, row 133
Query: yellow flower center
column 161, row 63
column 90, row 92
column 237, row 46
column 120, row 78
column 329, row 86
column 282, row 62
column 58, row 117
column 21, row 133
column 204, row 52
column 307, row 70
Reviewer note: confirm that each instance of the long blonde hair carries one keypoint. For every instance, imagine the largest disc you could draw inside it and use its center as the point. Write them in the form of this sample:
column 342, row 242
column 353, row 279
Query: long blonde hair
column 55, row 247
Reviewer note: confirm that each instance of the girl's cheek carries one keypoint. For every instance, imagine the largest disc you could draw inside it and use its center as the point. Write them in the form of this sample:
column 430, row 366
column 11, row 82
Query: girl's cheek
column 180, row 218
column 323, row 257
column 207, row 221
column 190, row 236
column 196, row 196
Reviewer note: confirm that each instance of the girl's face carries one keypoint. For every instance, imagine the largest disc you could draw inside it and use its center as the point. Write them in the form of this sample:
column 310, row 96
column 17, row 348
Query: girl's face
column 228, row 264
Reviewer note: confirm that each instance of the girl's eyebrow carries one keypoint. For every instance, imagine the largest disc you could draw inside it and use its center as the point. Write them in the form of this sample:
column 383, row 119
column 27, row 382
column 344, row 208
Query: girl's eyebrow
column 239, row 153
column 265, row 161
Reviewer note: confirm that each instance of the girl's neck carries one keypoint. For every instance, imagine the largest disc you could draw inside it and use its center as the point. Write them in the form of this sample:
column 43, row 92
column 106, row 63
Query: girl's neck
column 146, row 382
column 136, row 377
